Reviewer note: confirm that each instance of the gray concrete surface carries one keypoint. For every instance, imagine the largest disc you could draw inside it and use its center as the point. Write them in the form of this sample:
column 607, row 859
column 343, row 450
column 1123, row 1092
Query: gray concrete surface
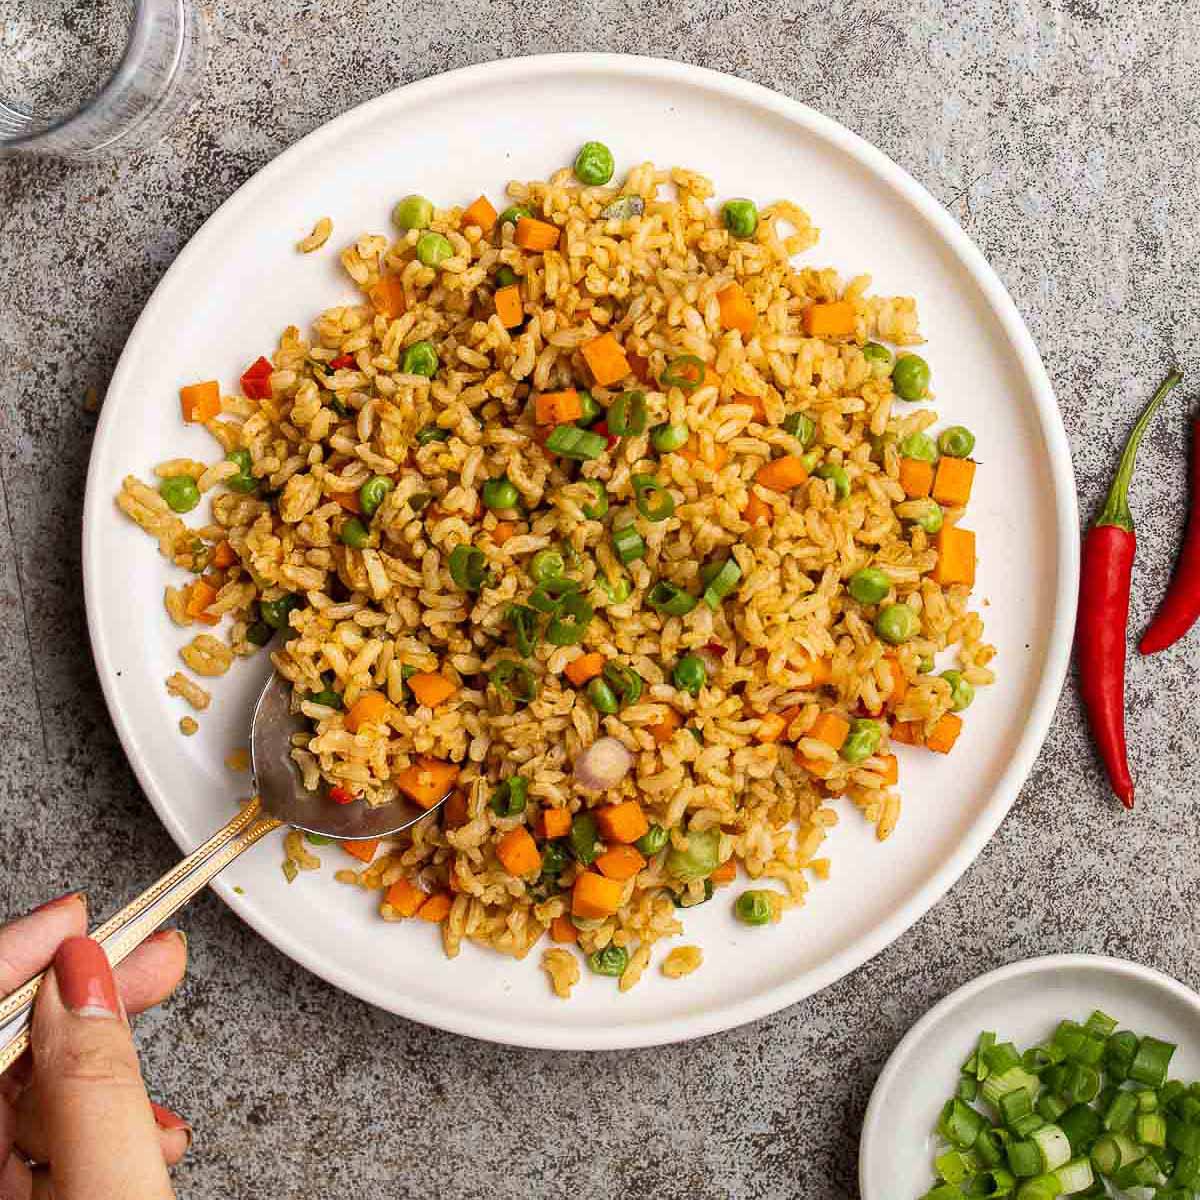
column 1065, row 136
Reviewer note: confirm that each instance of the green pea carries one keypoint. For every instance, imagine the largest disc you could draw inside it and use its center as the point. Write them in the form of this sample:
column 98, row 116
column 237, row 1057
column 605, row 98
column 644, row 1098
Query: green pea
column 354, row 534
column 599, row 506
column 837, row 474
column 612, row 960
column 910, row 377
column 869, row 585
column 874, row 353
column 924, row 664
column 801, row 426
column 700, row 859
column 919, row 446
column 753, row 907
column 602, row 697
column 812, row 458
column 328, row 697
column 652, row 841
column 180, row 492
column 590, row 409
column 506, row 277
column 665, row 438
column 862, row 741
column 500, row 494
column 594, row 164
column 897, row 623
column 433, row 249
column 432, row 433
column 928, row 514
column 513, row 213
column 690, row 674
column 962, row 692
column 740, row 217
column 373, row 493
column 420, row 359
column 244, row 480
column 957, row 442
column 546, row 565
column 413, row 212
column 554, row 858
column 275, row 612
column 584, row 838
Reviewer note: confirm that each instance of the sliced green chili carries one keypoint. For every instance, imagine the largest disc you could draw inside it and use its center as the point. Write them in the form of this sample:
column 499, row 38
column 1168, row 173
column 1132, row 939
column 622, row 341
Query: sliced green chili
column 524, row 621
column 514, row 679
column 627, row 415
column 468, row 568
column 653, row 500
column 628, row 544
column 598, row 508
column 570, row 624
column 686, row 372
column 624, row 681
column 667, row 597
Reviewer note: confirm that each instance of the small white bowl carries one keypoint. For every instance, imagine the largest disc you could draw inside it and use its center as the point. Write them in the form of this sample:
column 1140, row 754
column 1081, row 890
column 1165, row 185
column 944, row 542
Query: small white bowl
column 1022, row 1003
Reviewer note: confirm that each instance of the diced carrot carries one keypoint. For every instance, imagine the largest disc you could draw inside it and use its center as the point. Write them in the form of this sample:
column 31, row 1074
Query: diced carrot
column 436, row 908
column 830, row 728
column 508, row 306
column 404, row 897
column 368, row 708
column 899, row 688
column 455, row 812
column 820, row 670
column 908, row 733
column 535, row 235
column 956, row 556
column 770, row 727
column 891, row 769
column 620, row 863
column 663, row 731
column 430, row 688
column 200, row 597
column 952, row 483
column 916, row 477
column 350, row 502
column 757, row 511
column 556, row 822
column 200, row 401
column 518, row 852
column 822, row 768
column 224, row 555
column 502, row 532
column 624, row 822
column 944, row 733
column 639, row 365
column 782, row 474
column 387, row 295
column 427, row 780
column 480, row 212
column 363, row 849
column 605, row 359
column 725, row 873
column 593, row 896
column 789, row 715
column 586, row 666
column 557, row 408
column 714, row 460
column 756, row 403
column 563, row 931
column 735, row 308
column 836, row 318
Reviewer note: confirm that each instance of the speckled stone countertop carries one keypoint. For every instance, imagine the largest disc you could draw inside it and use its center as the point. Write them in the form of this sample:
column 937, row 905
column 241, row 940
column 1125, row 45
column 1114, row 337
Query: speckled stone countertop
column 1065, row 136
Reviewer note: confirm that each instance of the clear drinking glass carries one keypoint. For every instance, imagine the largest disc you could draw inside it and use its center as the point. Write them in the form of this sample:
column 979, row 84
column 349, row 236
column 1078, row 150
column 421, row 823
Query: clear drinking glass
column 82, row 78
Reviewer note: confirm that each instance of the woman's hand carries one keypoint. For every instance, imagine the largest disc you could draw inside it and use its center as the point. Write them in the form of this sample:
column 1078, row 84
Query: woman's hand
column 78, row 1111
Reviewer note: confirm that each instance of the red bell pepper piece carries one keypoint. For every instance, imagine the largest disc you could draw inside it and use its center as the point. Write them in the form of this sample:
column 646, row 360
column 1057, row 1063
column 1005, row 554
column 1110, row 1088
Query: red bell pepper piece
column 601, row 427
column 342, row 360
column 341, row 795
column 256, row 379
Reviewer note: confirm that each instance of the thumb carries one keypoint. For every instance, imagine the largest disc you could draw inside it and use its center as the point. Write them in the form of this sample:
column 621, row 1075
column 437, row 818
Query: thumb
column 100, row 1128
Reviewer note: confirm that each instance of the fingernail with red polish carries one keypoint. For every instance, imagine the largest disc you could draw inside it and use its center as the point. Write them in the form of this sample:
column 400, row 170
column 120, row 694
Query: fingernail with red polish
column 60, row 901
column 164, row 1118
column 85, row 979
column 166, row 935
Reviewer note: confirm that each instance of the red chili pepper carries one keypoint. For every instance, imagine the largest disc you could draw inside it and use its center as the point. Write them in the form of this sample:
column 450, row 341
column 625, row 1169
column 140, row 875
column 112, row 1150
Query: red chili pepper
column 601, row 427
column 1181, row 605
column 256, row 379
column 340, row 795
column 342, row 360
column 1104, row 610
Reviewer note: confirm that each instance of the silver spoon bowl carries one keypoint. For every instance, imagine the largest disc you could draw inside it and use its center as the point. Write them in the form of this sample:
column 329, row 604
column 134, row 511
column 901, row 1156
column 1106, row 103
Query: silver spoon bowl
column 281, row 799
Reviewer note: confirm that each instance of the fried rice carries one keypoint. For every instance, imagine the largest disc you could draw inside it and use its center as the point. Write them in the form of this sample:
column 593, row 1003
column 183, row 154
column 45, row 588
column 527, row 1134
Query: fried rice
column 599, row 790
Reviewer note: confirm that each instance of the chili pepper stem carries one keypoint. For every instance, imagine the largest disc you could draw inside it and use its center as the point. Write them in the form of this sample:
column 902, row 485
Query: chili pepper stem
column 1116, row 504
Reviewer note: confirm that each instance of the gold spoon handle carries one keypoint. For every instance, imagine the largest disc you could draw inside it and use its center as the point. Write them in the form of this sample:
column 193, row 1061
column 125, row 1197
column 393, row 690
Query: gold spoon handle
column 121, row 934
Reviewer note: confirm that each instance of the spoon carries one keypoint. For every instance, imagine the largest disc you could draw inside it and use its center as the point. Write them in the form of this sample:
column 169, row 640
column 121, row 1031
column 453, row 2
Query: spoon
column 281, row 799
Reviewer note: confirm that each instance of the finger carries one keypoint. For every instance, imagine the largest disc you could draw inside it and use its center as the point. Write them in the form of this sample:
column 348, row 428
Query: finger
column 153, row 971
column 16, row 1179
column 27, row 945
column 103, row 1139
column 32, row 1134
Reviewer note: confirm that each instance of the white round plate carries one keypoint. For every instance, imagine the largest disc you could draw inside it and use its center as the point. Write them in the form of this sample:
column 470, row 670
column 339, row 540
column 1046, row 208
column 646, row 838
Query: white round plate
column 1021, row 1003
column 239, row 282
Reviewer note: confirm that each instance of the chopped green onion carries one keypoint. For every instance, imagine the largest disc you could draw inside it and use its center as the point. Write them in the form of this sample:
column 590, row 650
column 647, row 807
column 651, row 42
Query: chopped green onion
column 509, row 799
column 432, row 433
column 1015, row 1105
column 1113, row 1151
column 1151, row 1061
column 1150, row 1129
column 627, row 414
column 654, row 502
column 686, row 372
column 1074, row 1176
column 1119, row 1052
column 599, row 506
column 960, row 1124
column 1119, row 1112
column 666, row 597
column 1024, row 1126
column 468, row 568
column 585, row 839
column 987, row 1038
column 1000, row 1057
column 1053, row 1144
column 1040, row 1187
column 1101, row 1024
column 996, row 1086
column 1183, row 1137
column 836, row 474
column 568, row 627
column 989, row 1146
column 1082, row 1125
column 524, row 621
column 722, row 581
column 801, row 426
column 628, row 544
column 652, row 841
column 1081, row 1083
column 1024, row 1159
column 1050, row 1107
column 572, row 442
column 601, row 696
column 624, row 681
column 514, row 679
column 618, row 592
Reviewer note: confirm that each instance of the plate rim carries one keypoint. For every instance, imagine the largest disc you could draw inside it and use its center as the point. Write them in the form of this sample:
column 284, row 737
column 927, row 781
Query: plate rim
column 655, row 1031
column 1125, row 967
